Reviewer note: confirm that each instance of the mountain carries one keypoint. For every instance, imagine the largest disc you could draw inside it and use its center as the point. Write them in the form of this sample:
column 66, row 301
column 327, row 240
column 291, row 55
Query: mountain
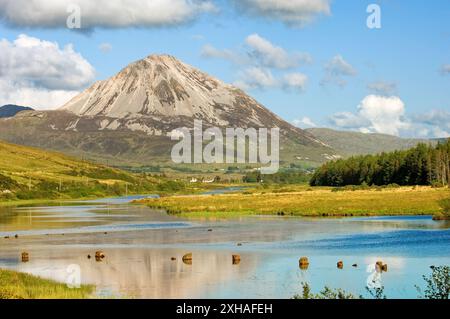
column 10, row 110
column 127, row 119
column 356, row 143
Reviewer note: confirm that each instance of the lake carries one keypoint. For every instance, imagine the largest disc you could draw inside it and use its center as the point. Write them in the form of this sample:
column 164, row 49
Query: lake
column 139, row 244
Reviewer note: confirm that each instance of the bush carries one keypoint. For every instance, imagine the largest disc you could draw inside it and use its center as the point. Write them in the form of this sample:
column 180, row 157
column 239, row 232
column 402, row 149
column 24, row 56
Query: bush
column 438, row 283
column 326, row 293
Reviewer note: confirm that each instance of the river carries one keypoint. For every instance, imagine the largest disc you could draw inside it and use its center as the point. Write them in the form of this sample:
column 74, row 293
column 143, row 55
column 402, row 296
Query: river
column 140, row 243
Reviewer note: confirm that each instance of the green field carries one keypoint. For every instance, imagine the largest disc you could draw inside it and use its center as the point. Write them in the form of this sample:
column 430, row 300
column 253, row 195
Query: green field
column 15, row 285
column 308, row 201
column 29, row 176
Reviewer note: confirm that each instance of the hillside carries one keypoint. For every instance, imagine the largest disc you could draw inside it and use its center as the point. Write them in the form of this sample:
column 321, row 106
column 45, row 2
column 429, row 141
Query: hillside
column 27, row 173
column 354, row 143
column 11, row 110
column 127, row 119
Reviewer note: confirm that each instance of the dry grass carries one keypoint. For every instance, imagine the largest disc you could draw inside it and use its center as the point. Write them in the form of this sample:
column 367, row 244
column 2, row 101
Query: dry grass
column 15, row 285
column 309, row 202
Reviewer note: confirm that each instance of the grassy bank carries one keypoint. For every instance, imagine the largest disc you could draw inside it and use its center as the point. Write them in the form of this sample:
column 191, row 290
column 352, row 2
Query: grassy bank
column 305, row 201
column 15, row 285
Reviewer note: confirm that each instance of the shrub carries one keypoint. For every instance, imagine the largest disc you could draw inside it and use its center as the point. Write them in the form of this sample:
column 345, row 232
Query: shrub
column 438, row 283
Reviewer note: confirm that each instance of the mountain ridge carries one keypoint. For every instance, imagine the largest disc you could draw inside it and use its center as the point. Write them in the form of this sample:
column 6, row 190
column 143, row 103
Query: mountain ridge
column 129, row 116
column 350, row 143
column 10, row 110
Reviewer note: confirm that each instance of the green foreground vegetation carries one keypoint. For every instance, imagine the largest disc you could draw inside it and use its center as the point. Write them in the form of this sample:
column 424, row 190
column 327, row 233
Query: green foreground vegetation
column 300, row 200
column 437, row 287
column 15, row 285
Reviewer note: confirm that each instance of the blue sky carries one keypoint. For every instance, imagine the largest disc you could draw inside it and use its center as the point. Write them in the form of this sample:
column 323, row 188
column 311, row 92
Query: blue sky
column 399, row 81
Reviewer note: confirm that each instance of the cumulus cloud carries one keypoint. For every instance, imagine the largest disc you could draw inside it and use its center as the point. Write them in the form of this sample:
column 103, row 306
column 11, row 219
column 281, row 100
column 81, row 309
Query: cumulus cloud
column 262, row 78
column 43, row 64
column 435, row 123
column 274, row 56
column 208, row 51
column 39, row 73
column 387, row 115
column 256, row 78
column 296, row 81
column 377, row 114
column 336, row 70
column 38, row 98
column 261, row 52
column 382, row 88
column 103, row 13
column 296, row 13
column 304, row 122
column 260, row 60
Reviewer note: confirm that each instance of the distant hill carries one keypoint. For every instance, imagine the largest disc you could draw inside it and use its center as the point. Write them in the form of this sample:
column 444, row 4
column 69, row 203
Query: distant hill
column 28, row 173
column 349, row 143
column 10, row 110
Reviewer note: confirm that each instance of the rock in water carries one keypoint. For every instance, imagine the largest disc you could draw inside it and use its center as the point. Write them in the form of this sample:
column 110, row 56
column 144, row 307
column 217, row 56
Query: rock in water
column 25, row 257
column 187, row 259
column 303, row 263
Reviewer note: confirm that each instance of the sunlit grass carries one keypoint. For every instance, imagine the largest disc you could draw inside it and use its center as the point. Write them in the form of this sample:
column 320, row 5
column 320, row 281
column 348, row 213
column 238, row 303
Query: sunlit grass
column 305, row 201
column 15, row 285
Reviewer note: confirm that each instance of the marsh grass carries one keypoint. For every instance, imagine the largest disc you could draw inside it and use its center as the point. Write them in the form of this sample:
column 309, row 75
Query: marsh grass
column 306, row 202
column 15, row 285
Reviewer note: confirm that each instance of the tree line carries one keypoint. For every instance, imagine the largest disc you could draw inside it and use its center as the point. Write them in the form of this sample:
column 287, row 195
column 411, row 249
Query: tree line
column 422, row 165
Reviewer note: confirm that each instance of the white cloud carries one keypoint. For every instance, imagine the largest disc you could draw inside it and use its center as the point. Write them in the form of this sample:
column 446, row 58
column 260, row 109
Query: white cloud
column 103, row 13
column 105, row 47
column 256, row 78
column 382, row 88
column 387, row 115
column 304, row 122
column 37, row 98
column 258, row 60
column 336, row 70
column 259, row 52
column 349, row 120
column 445, row 69
column 435, row 123
column 296, row 81
column 377, row 114
column 295, row 13
column 208, row 51
column 39, row 73
column 44, row 64
column 274, row 56
column 262, row 78
column 384, row 113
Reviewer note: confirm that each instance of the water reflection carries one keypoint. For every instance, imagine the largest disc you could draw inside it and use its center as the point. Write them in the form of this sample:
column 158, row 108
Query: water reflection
column 144, row 250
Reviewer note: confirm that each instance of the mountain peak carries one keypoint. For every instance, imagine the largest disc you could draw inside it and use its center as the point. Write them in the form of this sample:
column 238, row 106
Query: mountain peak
column 158, row 85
